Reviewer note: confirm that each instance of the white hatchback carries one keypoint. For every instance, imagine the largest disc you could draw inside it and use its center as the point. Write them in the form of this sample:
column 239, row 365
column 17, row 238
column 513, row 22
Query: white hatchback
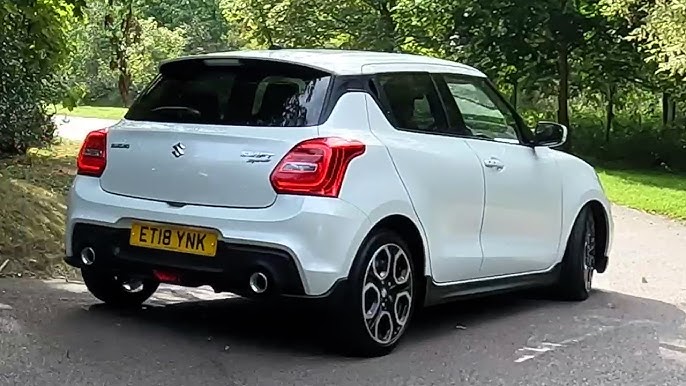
column 381, row 182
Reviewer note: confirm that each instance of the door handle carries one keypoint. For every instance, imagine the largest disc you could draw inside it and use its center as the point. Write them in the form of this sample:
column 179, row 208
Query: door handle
column 494, row 163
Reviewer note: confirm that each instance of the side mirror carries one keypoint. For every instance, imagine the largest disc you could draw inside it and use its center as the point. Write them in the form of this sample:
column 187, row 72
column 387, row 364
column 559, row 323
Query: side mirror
column 550, row 134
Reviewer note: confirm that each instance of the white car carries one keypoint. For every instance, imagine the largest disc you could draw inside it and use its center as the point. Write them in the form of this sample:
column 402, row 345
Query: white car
column 381, row 182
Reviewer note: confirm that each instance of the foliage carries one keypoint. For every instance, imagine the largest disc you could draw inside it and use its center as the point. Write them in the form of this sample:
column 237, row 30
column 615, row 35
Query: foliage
column 156, row 43
column 33, row 44
column 206, row 30
column 612, row 70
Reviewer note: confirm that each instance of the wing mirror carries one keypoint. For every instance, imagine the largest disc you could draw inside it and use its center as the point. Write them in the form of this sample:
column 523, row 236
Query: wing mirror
column 550, row 134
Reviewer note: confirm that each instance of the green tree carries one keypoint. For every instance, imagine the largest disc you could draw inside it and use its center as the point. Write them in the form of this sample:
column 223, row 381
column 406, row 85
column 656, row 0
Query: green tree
column 34, row 44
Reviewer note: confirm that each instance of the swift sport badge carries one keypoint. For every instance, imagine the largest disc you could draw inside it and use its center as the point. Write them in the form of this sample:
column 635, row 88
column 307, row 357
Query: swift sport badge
column 256, row 156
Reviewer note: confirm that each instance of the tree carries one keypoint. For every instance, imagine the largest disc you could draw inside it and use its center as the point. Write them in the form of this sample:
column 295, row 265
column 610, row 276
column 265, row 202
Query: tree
column 34, row 44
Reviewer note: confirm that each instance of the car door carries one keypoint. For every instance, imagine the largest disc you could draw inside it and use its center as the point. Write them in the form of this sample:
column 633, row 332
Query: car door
column 441, row 173
column 523, row 196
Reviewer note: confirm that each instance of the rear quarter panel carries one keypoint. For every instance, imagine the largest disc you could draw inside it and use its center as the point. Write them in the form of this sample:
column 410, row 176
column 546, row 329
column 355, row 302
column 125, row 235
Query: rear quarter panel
column 371, row 182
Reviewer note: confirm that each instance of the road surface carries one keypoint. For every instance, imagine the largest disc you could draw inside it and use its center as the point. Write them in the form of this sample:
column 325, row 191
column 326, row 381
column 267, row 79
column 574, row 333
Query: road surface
column 76, row 128
column 630, row 332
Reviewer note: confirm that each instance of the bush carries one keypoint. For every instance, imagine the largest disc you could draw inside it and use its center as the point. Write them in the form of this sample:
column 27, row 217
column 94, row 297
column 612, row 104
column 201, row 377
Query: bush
column 632, row 144
column 32, row 42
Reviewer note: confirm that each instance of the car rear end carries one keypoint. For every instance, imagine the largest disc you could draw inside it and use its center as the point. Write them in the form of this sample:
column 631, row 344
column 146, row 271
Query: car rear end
column 218, row 176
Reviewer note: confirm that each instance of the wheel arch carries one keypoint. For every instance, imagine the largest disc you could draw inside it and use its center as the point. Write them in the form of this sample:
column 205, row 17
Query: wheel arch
column 412, row 234
column 601, row 216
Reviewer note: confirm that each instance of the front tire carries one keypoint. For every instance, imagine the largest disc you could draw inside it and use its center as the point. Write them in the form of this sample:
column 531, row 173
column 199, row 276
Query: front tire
column 118, row 290
column 578, row 264
column 380, row 297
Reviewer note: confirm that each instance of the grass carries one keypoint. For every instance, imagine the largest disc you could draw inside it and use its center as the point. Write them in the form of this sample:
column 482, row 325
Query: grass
column 33, row 189
column 653, row 192
column 115, row 113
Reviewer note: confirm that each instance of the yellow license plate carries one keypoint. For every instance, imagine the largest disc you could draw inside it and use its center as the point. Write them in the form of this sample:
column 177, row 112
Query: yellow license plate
column 174, row 238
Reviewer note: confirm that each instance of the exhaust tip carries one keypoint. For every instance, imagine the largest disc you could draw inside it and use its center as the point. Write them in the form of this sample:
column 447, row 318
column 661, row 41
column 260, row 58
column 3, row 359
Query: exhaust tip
column 88, row 256
column 259, row 283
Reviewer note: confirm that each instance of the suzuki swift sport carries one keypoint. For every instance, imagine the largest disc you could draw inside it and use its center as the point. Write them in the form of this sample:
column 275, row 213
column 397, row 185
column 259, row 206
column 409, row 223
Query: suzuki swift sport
column 378, row 182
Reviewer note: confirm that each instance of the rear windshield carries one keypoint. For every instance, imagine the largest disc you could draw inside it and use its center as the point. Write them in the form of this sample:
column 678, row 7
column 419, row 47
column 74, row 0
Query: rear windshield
column 233, row 92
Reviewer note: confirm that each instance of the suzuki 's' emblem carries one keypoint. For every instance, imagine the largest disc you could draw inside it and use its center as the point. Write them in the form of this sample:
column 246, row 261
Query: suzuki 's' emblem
column 178, row 150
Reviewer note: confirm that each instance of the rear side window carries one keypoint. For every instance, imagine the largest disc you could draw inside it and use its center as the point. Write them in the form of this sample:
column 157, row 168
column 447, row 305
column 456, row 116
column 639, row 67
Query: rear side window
column 412, row 101
column 234, row 92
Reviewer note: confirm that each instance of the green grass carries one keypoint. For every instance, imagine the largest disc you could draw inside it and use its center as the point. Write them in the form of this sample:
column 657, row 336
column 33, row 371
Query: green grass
column 94, row 112
column 653, row 192
column 33, row 189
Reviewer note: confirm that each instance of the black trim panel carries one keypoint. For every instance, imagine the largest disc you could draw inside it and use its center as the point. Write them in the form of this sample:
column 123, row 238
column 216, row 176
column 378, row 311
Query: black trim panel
column 437, row 294
column 228, row 271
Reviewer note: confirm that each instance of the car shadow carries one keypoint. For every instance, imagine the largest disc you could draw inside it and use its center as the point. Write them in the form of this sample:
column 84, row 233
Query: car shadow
column 299, row 328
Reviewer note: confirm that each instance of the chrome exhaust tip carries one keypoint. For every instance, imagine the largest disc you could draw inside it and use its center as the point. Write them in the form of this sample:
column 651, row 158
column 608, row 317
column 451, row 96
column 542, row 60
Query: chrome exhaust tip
column 88, row 256
column 259, row 283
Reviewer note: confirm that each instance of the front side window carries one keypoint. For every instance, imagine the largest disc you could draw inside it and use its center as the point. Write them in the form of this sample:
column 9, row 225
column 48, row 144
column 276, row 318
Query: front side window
column 246, row 93
column 484, row 113
column 413, row 102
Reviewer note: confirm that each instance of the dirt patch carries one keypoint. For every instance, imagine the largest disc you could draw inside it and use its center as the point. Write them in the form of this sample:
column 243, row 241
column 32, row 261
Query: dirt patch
column 33, row 191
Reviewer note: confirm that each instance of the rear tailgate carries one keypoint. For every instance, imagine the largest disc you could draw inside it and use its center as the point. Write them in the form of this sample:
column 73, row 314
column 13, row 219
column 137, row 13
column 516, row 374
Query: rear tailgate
column 211, row 134
column 198, row 165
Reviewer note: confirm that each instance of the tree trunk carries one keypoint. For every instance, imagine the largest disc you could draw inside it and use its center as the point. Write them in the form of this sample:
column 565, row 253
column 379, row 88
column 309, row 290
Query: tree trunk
column 124, row 86
column 515, row 93
column 665, row 109
column 389, row 25
column 610, row 114
column 563, row 90
column 672, row 112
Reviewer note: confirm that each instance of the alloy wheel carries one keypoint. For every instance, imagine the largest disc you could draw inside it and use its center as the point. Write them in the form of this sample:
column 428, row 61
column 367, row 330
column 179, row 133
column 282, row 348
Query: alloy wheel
column 387, row 294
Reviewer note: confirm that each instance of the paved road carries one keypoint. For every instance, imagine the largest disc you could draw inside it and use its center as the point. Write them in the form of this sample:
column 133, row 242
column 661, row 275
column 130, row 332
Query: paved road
column 76, row 128
column 631, row 332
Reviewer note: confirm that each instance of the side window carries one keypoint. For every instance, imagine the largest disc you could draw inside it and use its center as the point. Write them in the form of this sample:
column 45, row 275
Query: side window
column 484, row 113
column 412, row 101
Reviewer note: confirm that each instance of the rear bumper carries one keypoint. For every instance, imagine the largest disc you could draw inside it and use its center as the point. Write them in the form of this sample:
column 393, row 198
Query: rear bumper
column 306, row 243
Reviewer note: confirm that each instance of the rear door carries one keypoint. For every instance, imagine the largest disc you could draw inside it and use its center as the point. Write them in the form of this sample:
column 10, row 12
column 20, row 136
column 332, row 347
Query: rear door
column 441, row 173
column 523, row 201
column 210, row 131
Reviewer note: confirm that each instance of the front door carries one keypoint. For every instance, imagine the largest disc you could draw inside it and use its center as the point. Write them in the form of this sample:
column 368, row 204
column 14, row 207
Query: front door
column 523, row 199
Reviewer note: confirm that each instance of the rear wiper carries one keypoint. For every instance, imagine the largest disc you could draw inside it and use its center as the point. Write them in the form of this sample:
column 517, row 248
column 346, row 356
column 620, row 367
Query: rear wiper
column 178, row 108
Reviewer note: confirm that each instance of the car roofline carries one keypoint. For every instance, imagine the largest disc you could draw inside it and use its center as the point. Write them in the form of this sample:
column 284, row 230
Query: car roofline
column 374, row 58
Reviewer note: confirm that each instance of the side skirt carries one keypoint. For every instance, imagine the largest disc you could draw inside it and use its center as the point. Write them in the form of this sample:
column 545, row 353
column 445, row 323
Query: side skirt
column 437, row 294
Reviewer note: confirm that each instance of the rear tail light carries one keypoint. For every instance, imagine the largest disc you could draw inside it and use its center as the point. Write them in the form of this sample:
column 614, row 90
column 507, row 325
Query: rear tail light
column 93, row 155
column 316, row 167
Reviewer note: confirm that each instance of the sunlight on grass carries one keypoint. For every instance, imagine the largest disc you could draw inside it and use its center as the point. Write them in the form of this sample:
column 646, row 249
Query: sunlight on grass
column 33, row 208
column 653, row 192
column 94, row 112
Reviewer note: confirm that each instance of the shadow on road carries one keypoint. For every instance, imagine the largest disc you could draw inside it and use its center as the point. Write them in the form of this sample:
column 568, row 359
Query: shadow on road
column 305, row 329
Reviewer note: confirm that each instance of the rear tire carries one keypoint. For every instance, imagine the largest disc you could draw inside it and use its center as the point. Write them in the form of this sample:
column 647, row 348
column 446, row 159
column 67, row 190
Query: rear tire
column 578, row 264
column 380, row 296
column 118, row 291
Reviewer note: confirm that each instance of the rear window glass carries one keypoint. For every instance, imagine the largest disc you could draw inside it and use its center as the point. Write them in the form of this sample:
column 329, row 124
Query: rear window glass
column 233, row 92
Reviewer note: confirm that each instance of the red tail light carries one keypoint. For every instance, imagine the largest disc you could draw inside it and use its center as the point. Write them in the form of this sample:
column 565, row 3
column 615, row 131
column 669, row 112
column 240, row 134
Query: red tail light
column 316, row 167
column 93, row 155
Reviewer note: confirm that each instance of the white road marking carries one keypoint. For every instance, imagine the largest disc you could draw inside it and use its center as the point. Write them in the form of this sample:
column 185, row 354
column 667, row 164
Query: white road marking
column 5, row 307
column 545, row 347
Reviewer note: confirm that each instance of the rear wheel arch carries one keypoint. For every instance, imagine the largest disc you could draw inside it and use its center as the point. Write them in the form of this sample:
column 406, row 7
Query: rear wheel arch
column 410, row 232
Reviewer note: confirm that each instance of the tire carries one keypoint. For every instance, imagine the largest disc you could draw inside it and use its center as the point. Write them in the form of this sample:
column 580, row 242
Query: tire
column 578, row 264
column 113, row 291
column 380, row 297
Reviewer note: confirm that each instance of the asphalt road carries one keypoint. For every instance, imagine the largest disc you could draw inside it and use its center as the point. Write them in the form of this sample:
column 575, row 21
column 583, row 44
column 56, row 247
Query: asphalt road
column 630, row 332
column 76, row 128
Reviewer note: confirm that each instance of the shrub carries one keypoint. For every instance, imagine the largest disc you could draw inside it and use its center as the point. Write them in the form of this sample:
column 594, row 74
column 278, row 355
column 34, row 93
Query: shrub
column 33, row 44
